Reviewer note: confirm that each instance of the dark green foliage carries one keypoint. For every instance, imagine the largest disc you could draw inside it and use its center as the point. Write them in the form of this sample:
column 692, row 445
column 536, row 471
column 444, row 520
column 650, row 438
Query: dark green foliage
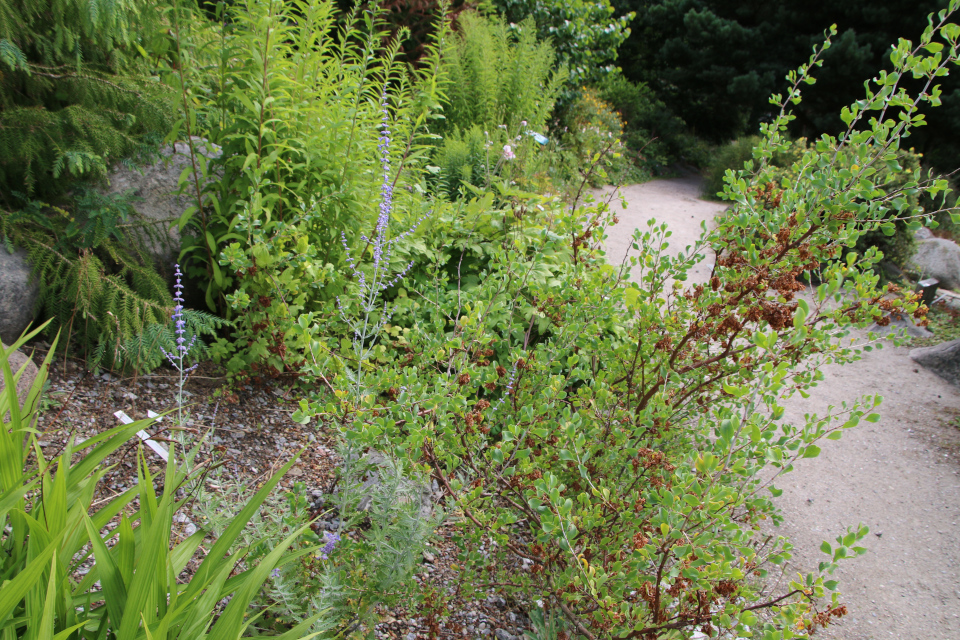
column 416, row 21
column 655, row 136
column 97, row 283
column 715, row 63
column 709, row 64
column 730, row 156
column 75, row 95
column 144, row 351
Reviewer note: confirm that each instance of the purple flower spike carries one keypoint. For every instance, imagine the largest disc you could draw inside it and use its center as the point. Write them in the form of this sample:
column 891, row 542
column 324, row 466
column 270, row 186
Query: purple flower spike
column 176, row 356
column 378, row 277
column 332, row 540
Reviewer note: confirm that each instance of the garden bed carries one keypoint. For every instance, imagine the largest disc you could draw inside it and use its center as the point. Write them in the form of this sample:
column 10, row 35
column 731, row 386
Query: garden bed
column 250, row 434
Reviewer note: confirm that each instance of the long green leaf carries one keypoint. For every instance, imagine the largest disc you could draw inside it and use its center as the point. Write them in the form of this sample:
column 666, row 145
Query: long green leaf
column 111, row 579
column 194, row 616
column 155, row 539
column 45, row 629
column 296, row 632
column 182, row 553
column 231, row 624
column 126, row 549
column 13, row 592
column 68, row 632
column 111, row 441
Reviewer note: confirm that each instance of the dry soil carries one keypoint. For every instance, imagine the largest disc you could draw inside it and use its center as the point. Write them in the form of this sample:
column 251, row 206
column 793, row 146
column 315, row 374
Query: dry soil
column 900, row 476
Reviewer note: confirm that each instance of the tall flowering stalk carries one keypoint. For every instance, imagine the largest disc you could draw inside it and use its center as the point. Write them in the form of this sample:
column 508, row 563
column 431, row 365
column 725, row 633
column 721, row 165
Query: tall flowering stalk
column 381, row 278
column 179, row 354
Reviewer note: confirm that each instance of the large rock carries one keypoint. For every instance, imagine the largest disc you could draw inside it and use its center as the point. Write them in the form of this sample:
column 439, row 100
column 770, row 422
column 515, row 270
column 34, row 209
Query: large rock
column 943, row 359
column 17, row 360
column 938, row 258
column 901, row 324
column 161, row 206
column 19, row 293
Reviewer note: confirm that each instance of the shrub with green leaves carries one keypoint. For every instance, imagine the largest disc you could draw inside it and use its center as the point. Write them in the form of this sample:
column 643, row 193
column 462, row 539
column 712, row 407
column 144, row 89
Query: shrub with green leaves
column 655, row 135
column 586, row 35
column 498, row 76
column 618, row 465
column 895, row 241
column 593, row 134
column 730, row 156
column 500, row 87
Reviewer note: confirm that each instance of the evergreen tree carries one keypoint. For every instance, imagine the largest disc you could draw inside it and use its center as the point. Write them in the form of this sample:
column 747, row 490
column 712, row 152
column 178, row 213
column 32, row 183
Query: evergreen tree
column 715, row 63
column 75, row 90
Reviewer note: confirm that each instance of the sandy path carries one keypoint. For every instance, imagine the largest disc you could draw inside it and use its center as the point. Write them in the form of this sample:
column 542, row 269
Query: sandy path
column 900, row 476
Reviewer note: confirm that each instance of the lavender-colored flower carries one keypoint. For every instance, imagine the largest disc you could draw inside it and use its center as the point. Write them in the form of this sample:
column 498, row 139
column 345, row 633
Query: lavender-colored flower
column 331, row 542
column 372, row 282
column 275, row 574
column 509, row 389
column 176, row 356
column 508, row 153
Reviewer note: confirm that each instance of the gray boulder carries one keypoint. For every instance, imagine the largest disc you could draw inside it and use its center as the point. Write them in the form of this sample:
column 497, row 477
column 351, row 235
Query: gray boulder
column 942, row 359
column 161, row 206
column 938, row 258
column 19, row 294
column 17, row 360
column 901, row 324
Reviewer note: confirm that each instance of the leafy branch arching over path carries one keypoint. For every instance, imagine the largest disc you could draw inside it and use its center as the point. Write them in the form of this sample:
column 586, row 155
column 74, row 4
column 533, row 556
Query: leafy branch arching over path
column 899, row 476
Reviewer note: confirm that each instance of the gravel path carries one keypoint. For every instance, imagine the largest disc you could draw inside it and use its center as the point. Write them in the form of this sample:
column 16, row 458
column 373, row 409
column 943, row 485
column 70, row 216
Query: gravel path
column 900, row 476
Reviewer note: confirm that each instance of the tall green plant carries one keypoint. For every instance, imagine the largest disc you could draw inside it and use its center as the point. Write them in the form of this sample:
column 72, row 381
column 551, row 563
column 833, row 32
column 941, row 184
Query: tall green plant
column 499, row 76
column 293, row 100
column 97, row 284
column 586, row 35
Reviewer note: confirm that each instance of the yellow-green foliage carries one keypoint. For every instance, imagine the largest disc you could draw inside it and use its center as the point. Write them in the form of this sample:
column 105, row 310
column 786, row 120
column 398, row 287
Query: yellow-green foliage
column 74, row 92
column 499, row 76
column 595, row 135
